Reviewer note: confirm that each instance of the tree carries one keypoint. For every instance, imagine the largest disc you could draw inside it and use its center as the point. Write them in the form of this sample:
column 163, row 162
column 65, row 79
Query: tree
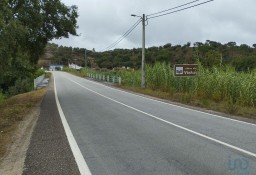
column 46, row 20
column 187, row 45
column 213, row 58
column 244, row 63
column 231, row 44
column 25, row 29
column 167, row 46
column 106, row 64
column 254, row 45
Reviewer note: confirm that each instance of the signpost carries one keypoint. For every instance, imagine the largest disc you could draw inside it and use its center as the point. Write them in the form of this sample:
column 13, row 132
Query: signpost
column 185, row 70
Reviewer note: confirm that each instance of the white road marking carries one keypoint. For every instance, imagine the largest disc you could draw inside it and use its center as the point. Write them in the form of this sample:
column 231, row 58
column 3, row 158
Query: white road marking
column 170, row 123
column 82, row 165
column 239, row 121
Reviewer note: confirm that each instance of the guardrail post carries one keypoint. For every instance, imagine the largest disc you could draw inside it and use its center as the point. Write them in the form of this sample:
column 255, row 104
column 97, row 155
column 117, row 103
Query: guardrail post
column 34, row 83
column 114, row 79
column 119, row 80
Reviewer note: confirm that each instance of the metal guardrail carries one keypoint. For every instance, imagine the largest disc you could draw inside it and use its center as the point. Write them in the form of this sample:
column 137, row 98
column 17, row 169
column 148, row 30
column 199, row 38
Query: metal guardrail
column 107, row 78
column 38, row 80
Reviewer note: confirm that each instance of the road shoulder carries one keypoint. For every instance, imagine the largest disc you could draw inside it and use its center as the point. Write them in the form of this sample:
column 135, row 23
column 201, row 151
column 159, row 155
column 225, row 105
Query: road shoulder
column 49, row 151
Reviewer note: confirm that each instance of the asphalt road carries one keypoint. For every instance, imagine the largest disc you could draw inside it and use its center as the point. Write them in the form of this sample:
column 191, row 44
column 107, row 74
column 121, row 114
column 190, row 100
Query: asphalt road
column 119, row 133
column 49, row 151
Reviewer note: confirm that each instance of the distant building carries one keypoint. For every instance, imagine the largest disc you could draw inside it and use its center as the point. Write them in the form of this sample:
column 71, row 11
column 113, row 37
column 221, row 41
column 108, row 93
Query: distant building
column 74, row 66
column 53, row 67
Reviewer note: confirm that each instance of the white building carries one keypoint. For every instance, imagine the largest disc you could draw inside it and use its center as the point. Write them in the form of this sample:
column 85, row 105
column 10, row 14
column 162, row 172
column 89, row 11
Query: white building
column 74, row 66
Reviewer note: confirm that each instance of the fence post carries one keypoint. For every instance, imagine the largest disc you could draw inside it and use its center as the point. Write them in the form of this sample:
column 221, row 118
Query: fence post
column 108, row 78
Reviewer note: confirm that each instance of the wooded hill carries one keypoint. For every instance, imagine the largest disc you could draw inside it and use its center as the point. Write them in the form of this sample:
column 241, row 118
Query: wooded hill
column 210, row 53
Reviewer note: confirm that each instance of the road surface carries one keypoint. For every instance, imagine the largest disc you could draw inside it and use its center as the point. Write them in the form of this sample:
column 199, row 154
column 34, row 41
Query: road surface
column 119, row 133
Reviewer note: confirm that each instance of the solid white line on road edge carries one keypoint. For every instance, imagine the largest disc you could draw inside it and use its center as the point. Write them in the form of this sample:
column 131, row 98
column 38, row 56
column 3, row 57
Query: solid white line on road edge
column 82, row 165
column 170, row 123
column 182, row 107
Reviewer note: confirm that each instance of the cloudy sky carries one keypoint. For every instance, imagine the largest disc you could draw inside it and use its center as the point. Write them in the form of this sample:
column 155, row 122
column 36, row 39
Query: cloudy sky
column 102, row 22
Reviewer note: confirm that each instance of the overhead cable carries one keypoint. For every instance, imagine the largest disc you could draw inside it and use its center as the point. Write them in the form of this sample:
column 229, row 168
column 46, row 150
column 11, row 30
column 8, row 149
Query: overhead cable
column 123, row 36
column 173, row 8
column 180, row 9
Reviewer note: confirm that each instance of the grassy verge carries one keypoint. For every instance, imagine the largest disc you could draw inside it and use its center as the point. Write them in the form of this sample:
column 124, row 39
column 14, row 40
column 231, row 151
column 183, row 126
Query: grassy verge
column 74, row 72
column 12, row 111
column 48, row 74
column 224, row 106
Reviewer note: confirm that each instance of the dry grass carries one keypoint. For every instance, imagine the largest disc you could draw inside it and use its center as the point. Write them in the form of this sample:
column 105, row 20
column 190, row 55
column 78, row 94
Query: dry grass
column 12, row 111
column 222, row 106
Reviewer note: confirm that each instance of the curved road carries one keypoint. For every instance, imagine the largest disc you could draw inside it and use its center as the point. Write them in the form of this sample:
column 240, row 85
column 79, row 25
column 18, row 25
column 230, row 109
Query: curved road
column 120, row 133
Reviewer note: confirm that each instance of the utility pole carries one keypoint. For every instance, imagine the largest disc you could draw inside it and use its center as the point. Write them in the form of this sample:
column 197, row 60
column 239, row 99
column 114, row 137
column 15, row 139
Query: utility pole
column 85, row 59
column 143, row 18
column 143, row 53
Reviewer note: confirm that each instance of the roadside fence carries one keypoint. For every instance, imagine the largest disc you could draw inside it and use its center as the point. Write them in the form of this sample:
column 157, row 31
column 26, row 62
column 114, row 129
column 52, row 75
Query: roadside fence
column 107, row 78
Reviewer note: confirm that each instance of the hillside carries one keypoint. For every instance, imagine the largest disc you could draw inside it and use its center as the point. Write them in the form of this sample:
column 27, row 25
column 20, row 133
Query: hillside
column 242, row 57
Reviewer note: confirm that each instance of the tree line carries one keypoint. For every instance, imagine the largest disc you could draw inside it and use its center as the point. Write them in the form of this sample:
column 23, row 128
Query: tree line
column 25, row 29
column 209, row 53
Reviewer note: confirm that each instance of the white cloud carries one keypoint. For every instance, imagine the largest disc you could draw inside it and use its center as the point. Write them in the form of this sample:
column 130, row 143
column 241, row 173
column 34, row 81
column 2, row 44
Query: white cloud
column 102, row 22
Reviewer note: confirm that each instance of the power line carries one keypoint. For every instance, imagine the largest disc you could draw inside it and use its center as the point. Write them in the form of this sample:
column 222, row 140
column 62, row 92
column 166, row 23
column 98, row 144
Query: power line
column 155, row 15
column 180, row 9
column 173, row 8
column 123, row 36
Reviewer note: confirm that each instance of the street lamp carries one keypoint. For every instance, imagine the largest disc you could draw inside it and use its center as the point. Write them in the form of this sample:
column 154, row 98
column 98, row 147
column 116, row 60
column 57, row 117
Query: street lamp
column 143, row 50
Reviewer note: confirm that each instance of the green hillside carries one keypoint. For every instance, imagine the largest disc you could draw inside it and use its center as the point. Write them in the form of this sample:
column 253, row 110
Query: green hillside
column 210, row 53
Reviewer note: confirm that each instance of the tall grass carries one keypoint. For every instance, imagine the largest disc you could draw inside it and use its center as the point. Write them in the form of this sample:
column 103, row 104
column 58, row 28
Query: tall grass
column 217, row 84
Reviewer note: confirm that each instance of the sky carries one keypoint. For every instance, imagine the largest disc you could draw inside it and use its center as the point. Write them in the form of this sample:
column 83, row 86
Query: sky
column 102, row 22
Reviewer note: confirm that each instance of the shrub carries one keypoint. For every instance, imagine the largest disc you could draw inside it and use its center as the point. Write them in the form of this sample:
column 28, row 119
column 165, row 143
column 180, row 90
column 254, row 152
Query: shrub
column 38, row 73
column 2, row 97
column 58, row 68
column 21, row 86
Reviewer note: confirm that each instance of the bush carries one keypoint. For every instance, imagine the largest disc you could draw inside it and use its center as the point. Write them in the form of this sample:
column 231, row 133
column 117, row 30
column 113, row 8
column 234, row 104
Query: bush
column 2, row 98
column 38, row 73
column 21, row 86
column 58, row 68
column 48, row 74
